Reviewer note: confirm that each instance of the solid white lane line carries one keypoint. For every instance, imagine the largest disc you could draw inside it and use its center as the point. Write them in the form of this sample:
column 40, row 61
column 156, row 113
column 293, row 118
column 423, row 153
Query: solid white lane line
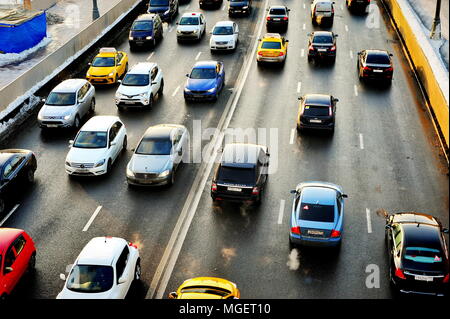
column 176, row 91
column 170, row 29
column 291, row 140
column 303, row 52
column 304, row 26
column 361, row 141
column 92, row 218
column 369, row 222
column 197, row 56
column 304, row 6
column 9, row 214
column 299, row 87
column 188, row 6
column 224, row 6
column 351, row 54
column 355, row 88
column 342, row 7
column 281, row 212
column 346, row 28
column 150, row 56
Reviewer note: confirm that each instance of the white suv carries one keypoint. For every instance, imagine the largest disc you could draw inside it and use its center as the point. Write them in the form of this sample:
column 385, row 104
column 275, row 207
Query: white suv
column 140, row 86
column 191, row 26
column 105, row 269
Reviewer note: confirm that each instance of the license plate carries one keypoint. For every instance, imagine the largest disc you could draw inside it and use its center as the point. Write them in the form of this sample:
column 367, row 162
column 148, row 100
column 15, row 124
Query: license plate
column 129, row 102
column 378, row 71
column 322, row 50
column 276, row 19
column 235, row 189
column 52, row 125
column 423, row 278
column 315, row 121
column 315, row 232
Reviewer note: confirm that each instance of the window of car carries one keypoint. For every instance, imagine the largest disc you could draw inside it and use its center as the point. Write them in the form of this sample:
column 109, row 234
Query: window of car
column 322, row 39
column 316, row 110
column 237, row 175
column 10, row 258
column 398, row 233
column 378, row 59
column 119, row 58
column 277, row 11
column 142, row 26
column 206, row 290
column 61, row 99
column 82, row 92
column 275, row 45
column 114, row 130
column 424, row 258
column 104, row 62
column 316, row 212
column 136, row 80
column 90, row 278
column 189, row 21
column 122, row 262
column 339, row 204
column 154, row 73
column 90, row 139
column 177, row 137
column 7, row 171
column 154, row 146
column 159, row 3
column 223, row 30
column 19, row 244
column 203, row 73
column 16, row 161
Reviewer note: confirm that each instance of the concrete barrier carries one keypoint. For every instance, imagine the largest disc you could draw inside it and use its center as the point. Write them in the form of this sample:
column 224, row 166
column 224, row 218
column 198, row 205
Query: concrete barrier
column 433, row 76
column 16, row 92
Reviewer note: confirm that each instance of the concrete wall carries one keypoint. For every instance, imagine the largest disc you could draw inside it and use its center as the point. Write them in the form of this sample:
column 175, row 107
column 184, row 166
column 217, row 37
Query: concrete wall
column 42, row 4
column 432, row 74
column 28, row 83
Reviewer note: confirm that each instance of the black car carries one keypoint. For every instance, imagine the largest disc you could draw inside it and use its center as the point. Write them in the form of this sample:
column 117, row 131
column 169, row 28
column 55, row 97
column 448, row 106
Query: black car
column 418, row 255
column 17, row 168
column 147, row 29
column 375, row 65
column 317, row 111
column 278, row 17
column 209, row 3
column 239, row 7
column 166, row 9
column 358, row 5
column 242, row 173
column 322, row 45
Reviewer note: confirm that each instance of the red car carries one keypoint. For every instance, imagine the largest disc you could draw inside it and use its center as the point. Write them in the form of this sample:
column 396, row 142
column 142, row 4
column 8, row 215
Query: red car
column 17, row 255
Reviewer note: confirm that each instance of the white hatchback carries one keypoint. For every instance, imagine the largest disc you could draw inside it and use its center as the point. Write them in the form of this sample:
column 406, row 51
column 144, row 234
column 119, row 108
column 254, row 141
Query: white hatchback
column 96, row 146
column 224, row 36
column 105, row 269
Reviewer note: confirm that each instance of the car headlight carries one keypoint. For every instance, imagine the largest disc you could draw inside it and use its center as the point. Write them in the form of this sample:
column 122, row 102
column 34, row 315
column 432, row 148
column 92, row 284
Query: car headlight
column 245, row 7
column 148, row 38
column 143, row 94
column 130, row 172
column 195, row 31
column 67, row 117
column 131, row 38
column 68, row 164
column 178, row 31
column 100, row 163
column 111, row 74
column 211, row 90
column 165, row 173
column 187, row 90
column 88, row 75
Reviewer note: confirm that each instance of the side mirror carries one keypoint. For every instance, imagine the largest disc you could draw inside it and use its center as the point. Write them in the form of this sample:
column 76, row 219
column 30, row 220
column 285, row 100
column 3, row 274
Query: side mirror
column 187, row 75
column 176, row 23
column 154, row 83
column 390, row 54
column 360, row 52
column 113, row 143
column 344, row 196
column 8, row 270
column 70, row 143
column 173, row 295
column 293, row 191
column 286, row 40
column 119, row 64
column 62, row 277
column 336, row 35
column 445, row 230
column 133, row 150
column 89, row 63
column 121, row 280
column 387, row 227
column 259, row 39
column 43, row 100
column 300, row 98
column 119, row 81
column 180, row 152
column 336, row 100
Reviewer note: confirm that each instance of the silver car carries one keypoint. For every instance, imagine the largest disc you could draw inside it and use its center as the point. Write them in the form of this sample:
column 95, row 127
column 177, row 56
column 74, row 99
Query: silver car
column 158, row 155
column 67, row 104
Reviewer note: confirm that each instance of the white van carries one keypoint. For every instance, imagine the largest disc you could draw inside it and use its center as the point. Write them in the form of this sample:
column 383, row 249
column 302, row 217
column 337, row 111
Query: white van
column 322, row 12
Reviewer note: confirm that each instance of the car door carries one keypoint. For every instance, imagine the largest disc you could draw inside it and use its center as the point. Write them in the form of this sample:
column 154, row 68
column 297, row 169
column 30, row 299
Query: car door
column 83, row 100
column 120, row 136
column 220, row 74
column 123, row 271
column 235, row 32
column 11, row 276
column 177, row 147
column 155, row 82
column 112, row 139
column 22, row 258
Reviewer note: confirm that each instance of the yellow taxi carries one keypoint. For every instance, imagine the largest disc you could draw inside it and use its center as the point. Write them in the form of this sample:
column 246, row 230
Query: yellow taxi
column 272, row 48
column 206, row 288
column 107, row 67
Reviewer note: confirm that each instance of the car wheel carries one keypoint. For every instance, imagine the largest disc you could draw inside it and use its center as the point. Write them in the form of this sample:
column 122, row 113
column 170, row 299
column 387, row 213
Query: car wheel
column 32, row 263
column 137, row 271
column 124, row 144
column 2, row 205
column 108, row 166
column 92, row 107
column 172, row 179
column 76, row 122
column 30, row 176
column 150, row 101
column 161, row 88
column 4, row 296
column 154, row 43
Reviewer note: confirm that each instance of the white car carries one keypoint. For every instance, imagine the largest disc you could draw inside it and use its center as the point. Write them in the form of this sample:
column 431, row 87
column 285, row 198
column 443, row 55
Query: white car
column 192, row 26
column 224, row 36
column 105, row 269
column 96, row 146
column 140, row 86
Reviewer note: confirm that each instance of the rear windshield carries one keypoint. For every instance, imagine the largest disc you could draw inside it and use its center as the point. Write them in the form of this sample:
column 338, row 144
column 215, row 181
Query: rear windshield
column 317, row 213
column 136, row 80
column 427, row 259
column 159, row 3
column 206, row 290
column 61, row 99
column 316, row 110
column 323, row 39
column 280, row 12
column 378, row 59
column 152, row 146
column 142, row 26
column 323, row 7
column 237, row 175
column 271, row 45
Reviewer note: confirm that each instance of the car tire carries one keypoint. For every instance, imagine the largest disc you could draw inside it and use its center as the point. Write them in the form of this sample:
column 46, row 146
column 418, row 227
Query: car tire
column 150, row 102
column 2, row 205
column 77, row 122
column 137, row 271
column 32, row 263
column 161, row 88
column 108, row 167
column 30, row 176
column 92, row 107
column 154, row 43
column 172, row 179
column 124, row 144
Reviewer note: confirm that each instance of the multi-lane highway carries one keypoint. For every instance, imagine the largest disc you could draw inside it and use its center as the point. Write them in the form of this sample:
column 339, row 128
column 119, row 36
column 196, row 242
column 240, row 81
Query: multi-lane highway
column 383, row 153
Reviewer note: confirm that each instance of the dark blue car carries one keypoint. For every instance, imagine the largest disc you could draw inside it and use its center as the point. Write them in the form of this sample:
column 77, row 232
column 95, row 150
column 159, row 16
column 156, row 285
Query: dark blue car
column 205, row 82
column 167, row 9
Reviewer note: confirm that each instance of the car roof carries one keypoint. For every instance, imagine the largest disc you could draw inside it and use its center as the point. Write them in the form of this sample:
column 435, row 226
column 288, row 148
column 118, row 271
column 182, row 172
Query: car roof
column 318, row 99
column 224, row 23
column 323, row 33
column 205, row 64
column 191, row 14
column 272, row 36
column 107, row 52
column 421, row 235
column 100, row 123
column 413, row 217
column 277, row 7
column 69, row 86
column 377, row 52
column 146, row 17
column 241, row 155
column 101, row 251
column 161, row 131
column 141, row 68
column 7, row 236
column 318, row 195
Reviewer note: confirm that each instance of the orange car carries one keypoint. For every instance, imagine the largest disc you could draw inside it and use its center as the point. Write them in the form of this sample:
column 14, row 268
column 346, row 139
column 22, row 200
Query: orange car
column 206, row 288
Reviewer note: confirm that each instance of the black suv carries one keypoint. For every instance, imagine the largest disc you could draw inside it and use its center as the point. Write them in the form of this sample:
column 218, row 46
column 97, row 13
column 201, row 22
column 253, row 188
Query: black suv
column 239, row 7
column 317, row 111
column 242, row 173
column 322, row 45
column 146, row 29
column 210, row 3
column 278, row 17
column 358, row 5
column 167, row 9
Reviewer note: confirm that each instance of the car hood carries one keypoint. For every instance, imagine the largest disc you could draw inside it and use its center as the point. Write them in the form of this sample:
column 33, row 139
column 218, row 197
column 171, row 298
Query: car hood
column 48, row 110
column 188, row 27
column 149, row 163
column 101, row 70
column 222, row 38
column 86, row 155
column 68, row 294
column 132, row 90
column 200, row 84
column 239, row 4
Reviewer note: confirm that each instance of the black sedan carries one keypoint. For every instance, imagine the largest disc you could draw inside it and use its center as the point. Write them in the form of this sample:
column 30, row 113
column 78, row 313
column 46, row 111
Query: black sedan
column 375, row 64
column 210, row 3
column 17, row 167
column 322, row 45
column 418, row 256
column 317, row 111
column 277, row 18
column 242, row 173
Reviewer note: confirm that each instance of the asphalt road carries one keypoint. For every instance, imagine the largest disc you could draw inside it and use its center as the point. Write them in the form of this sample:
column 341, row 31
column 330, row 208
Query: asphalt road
column 383, row 154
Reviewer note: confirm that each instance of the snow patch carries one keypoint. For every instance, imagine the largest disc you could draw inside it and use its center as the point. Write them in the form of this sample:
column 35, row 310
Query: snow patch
column 10, row 58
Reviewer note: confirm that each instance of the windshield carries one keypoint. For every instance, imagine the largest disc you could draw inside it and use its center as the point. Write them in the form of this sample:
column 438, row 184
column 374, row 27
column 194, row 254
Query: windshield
column 223, row 31
column 136, row 80
column 142, row 26
column 151, row 146
column 206, row 290
column 90, row 278
column 238, row 0
column 200, row 73
column 159, row 3
column 323, row 39
column 237, row 175
column 271, row 45
column 423, row 258
column 378, row 59
column 61, row 99
column 317, row 212
column 189, row 21
column 103, row 62
column 91, row 140
column 280, row 12
column 316, row 110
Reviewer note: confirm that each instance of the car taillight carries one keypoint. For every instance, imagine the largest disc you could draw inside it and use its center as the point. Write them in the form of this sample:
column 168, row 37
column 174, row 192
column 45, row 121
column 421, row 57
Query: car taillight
column 280, row 53
column 333, row 48
column 255, row 191
column 311, row 48
column 335, row 233
column 214, row 187
column 268, row 18
column 260, row 53
column 132, row 245
column 390, row 69
column 295, row 230
column 366, row 68
column 445, row 279
column 285, row 18
column 399, row 273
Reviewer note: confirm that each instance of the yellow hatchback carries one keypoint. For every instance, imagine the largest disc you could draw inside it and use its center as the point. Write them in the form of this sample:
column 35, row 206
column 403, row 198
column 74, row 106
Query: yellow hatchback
column 272, row 48
column 206, row 288
column 108, row 66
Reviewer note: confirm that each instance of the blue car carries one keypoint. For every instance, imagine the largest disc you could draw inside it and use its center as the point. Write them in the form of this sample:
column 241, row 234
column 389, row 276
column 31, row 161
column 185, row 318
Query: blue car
column 167, row 9
column 205, row 82
column 317, row 217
